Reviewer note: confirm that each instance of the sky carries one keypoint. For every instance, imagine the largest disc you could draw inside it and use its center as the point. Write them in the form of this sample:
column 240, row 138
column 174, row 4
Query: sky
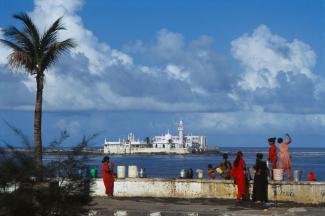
column 237, row 72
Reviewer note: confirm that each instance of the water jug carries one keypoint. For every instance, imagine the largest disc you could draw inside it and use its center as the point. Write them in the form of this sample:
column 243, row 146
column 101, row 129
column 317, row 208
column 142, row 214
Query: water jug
column 120, row 172
column 133, row 171
column 182, row 173
column 142, row 173
column 297, row 175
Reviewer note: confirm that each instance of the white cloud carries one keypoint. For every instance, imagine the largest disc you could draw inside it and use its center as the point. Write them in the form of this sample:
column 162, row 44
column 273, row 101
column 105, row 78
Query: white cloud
column 177, row 72
column 100, row 55
column 172, row 74
column 257, row 121
column 264, row 55
column 4, row 52
column 277, row 74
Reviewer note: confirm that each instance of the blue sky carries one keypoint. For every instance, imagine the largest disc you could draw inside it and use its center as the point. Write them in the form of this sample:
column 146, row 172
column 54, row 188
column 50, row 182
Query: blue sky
column 235, row 71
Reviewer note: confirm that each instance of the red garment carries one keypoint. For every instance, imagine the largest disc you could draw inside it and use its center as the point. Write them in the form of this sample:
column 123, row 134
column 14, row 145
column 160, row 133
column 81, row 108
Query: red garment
column 238, row 173
column 273, row 156
column 311, row 176
column 108, row 177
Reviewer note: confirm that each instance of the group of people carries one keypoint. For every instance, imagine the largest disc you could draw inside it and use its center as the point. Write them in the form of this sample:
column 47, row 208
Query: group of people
column 235, row 170
column 238, row 172
column 285, row 159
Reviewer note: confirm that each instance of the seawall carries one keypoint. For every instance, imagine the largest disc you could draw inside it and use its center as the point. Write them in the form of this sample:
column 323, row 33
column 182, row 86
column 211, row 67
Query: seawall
column 299, row 192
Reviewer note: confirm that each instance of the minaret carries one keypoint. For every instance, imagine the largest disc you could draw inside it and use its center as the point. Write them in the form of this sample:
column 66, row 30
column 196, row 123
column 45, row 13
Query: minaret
column 181, row 133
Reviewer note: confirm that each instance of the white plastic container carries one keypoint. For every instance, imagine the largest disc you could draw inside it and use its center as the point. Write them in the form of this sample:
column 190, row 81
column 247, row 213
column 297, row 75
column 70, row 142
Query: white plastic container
column 278, row 174
column 120, row 172
column 133, row 171
column 297, row 175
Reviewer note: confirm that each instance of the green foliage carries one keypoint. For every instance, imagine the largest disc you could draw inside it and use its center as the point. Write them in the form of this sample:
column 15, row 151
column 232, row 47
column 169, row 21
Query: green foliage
column 33, row 51
column 62, row 191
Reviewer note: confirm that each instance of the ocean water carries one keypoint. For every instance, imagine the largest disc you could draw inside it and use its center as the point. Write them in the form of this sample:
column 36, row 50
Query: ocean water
column 169, row 166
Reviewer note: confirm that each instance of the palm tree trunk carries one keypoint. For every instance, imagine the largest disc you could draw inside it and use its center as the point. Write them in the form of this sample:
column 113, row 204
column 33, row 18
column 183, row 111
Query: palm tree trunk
column 38, row 121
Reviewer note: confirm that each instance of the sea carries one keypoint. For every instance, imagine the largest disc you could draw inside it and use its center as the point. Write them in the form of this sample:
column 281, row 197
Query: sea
column 169, row 166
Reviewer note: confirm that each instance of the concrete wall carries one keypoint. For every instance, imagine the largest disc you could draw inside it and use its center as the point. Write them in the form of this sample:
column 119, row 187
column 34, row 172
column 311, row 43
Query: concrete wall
column 302, row 192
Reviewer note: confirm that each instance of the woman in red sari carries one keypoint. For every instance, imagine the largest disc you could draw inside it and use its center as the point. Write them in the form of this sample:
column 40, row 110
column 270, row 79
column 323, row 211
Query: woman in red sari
column 238, row 173
column 108, row 175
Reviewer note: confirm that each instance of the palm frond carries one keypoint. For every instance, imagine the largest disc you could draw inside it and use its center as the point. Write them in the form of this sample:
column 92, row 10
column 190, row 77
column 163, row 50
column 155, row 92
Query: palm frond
column 31, row 51
column 22, row 60
column 19, row 37
column 55, row 50
column 11, row 45
column 50, row 35
column 30, row 28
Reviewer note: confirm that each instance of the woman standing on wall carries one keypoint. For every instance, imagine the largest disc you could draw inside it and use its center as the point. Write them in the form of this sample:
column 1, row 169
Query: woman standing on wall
column 285, row 160
column 273, row 158
column 238, row 173
column 260, row 180
column 108, row 175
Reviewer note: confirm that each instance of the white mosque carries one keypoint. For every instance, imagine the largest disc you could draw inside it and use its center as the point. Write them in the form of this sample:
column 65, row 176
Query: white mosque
column 168, row 143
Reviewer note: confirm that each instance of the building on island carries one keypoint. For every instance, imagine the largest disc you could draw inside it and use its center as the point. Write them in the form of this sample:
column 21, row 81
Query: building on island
column 179, row 144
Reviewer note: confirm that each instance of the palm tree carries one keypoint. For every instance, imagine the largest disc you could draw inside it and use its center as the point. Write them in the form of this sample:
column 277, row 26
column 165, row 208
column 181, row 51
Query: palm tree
column 35, row 53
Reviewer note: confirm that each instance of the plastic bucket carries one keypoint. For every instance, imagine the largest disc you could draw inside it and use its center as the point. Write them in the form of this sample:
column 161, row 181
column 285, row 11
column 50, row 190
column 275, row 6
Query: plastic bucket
column 133, row 171
column 278, row 174
column 120, row 172
column 297, row 175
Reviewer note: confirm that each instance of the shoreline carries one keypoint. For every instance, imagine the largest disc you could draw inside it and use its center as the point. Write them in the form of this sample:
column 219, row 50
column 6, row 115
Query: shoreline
column 98, row 152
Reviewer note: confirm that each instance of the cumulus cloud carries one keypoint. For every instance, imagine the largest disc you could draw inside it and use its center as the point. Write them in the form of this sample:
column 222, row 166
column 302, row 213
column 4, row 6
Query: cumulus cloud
column 264, row 55
column 173, row 74
column 168, row 75
column 277, row 74
column 100, row 55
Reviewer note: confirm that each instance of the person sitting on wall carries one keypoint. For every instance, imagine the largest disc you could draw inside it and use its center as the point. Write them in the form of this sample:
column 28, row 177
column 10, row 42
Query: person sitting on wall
column 224, row 168
column 108, row 175
column 211, row 173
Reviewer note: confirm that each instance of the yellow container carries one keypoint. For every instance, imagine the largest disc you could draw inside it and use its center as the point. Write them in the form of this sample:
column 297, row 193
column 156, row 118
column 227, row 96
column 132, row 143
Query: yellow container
column 199, row 174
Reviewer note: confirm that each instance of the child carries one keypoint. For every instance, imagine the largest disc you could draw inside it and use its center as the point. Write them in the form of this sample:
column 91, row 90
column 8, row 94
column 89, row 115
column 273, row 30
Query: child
column 224, row 168
column 211, row 173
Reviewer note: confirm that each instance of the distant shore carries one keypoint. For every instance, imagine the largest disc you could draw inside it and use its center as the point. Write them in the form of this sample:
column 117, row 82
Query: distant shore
column 98, row 151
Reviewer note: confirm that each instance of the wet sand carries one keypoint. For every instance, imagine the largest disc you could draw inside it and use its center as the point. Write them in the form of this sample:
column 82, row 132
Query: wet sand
column 199, row 207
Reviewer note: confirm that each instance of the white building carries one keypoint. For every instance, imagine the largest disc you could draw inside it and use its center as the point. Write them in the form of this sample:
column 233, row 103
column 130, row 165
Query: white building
column 123, row 146
column 180, row 141
column 167, row 143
